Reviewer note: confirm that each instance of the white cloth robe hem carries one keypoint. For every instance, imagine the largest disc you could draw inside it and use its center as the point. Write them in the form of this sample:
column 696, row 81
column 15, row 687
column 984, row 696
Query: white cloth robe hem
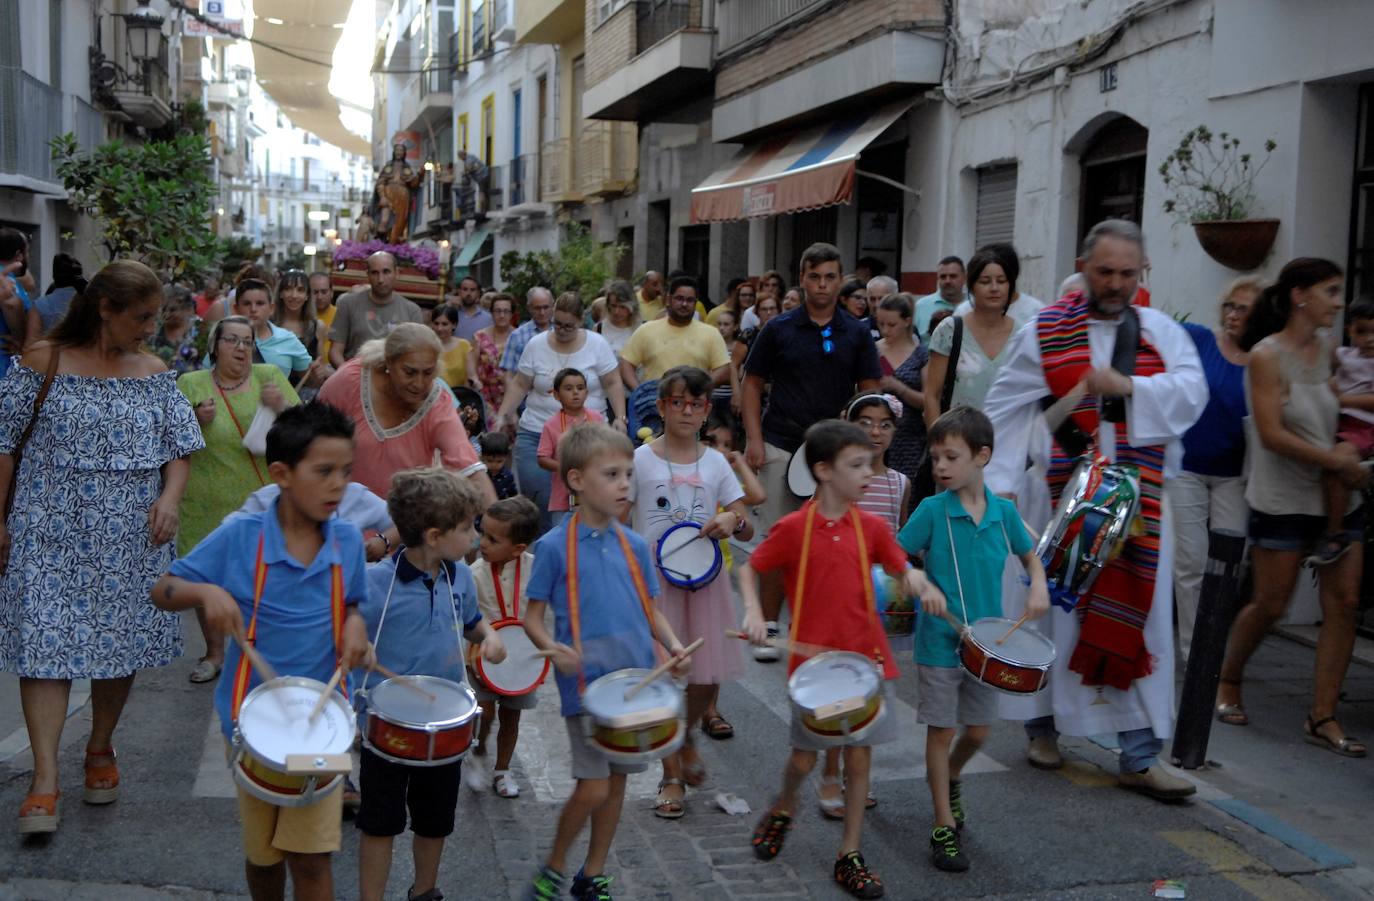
column 1160, row 410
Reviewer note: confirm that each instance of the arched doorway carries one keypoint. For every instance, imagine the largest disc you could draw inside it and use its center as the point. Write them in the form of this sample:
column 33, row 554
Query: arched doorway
column 1113, row 177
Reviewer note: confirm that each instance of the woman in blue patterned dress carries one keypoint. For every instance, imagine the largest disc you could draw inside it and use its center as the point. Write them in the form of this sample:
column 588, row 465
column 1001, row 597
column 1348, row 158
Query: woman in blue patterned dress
column 91, row 529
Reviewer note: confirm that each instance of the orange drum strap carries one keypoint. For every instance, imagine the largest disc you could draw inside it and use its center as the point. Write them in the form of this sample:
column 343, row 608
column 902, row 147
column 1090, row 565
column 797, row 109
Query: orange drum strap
column 242, row 672
column 864, row 578
column 574, row 606
column 337, row 613
column 501, row 594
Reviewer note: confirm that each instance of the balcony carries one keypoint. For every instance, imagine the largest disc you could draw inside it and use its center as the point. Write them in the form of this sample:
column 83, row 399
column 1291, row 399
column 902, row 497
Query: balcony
column 739, row 21
column 606, row 158
column 496, row 189
column 671, row 65
column 431, row 100
column 139, row 90
column 523, row 184
column 556, row 183
column 222, row 94
column 87, row 124
column 548, row 21
column 30, row 113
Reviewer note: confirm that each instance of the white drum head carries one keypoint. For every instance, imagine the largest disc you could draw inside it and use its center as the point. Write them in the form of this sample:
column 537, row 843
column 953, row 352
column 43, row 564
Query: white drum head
column 453, row 704
column 521, row 672
column 686, row 558
column 605, row 700
column 1024, row 647
column 833, row 677
column 273, row 721
column 799, row 479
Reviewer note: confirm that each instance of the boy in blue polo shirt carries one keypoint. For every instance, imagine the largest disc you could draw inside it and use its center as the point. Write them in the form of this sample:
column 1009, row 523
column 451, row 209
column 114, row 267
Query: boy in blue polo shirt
column 605, row 620
column 965, row 533
column 309, row 558
column 418, row 600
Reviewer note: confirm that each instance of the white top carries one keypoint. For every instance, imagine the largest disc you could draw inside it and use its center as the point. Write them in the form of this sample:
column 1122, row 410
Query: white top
column 750, row 319
column 1023, row 309
column 540, row 362
column 359, row 506
column 616, row 336
column 666, row 494
column 1354, row 375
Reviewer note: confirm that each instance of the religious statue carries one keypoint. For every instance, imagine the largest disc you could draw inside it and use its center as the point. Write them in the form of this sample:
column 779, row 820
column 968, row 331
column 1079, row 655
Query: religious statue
column 392, row 195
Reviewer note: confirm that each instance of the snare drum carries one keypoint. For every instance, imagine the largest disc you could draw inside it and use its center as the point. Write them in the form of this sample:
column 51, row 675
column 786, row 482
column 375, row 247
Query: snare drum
column 1018, row 666
column 521, row 672
column 647, row 727
column 1097, row 510
column 686, row 559
column 839, row 695
column 799, row 479
column 405, row 727
column 273, row 725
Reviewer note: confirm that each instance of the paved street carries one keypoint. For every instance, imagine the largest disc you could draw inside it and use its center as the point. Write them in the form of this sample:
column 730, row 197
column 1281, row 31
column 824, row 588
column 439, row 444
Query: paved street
column 1071, row 834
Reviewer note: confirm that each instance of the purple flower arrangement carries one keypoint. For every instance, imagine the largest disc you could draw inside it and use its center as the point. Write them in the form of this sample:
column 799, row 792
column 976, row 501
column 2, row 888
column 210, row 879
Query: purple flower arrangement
column 422, row 258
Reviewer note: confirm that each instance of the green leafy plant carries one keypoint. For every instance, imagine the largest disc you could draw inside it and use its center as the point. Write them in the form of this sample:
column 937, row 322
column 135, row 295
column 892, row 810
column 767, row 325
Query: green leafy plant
column 1210, row 178
column 580, row 264
column 235, row 251
column 152, row 201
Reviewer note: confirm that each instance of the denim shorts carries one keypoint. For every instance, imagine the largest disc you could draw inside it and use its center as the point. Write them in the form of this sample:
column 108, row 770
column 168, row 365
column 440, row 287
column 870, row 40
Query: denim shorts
column 1300, row 531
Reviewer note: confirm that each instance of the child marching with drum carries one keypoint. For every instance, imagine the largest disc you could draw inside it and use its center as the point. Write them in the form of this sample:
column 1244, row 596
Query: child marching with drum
column 965, row 534
column 596, row 575
column 420, row 598
column 824, row 552
column 502, row 573
column 570, row 389
column 295, row 572
column 679, row 483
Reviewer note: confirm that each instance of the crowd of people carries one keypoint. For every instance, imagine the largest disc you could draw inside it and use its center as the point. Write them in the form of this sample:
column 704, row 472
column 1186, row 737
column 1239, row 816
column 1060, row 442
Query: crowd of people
column 154, row 443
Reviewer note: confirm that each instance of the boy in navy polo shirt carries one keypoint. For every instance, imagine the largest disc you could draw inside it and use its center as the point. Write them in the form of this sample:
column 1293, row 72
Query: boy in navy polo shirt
column 604, row 620
column 965, row 533
column 304, row 551
column 418, row 599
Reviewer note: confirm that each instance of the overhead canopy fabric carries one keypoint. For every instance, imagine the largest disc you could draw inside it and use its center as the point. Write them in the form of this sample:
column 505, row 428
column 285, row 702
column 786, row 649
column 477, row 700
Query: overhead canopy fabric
column 802, row 170
column 473, row 246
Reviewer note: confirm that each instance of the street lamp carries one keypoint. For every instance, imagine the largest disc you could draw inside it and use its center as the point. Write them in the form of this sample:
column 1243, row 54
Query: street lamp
column 144, row 27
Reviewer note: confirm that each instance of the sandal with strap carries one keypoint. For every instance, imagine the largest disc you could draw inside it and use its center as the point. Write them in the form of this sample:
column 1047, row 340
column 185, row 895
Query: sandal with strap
column 857, row 879
column 670, row 808
column 832, row 808
column 102, row 779
column 503, row 783
column 38, row 814
column 1346, row 746
column 717, row 727
column 1232, row 714
column 769, row 834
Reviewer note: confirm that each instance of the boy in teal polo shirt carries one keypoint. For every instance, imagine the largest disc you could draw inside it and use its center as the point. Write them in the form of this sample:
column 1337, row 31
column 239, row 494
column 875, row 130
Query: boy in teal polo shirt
column 965, row 534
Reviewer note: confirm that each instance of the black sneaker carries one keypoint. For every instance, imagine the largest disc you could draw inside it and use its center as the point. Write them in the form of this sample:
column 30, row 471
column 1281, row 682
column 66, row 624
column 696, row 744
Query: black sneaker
column 956, row 804
column 944, row 850
column 769, row 833
column 547, row 886
column 432, row 895
column 852, row 873
column 1331, row 549
column 591, row 888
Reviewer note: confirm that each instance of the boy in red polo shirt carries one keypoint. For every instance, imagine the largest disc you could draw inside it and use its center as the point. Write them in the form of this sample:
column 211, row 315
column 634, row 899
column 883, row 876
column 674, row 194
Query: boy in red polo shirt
column 825, row 551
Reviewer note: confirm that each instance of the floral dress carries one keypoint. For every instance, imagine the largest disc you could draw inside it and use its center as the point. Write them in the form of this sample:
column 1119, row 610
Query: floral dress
column 489, row 371
column 74, row 597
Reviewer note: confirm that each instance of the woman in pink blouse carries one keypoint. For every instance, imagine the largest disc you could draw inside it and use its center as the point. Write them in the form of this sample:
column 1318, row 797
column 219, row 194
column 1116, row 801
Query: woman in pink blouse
column 403, row 413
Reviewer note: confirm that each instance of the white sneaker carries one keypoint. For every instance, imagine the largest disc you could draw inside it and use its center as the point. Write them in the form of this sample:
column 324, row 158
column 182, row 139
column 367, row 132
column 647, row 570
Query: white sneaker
column 765, row 654
column 475, row 773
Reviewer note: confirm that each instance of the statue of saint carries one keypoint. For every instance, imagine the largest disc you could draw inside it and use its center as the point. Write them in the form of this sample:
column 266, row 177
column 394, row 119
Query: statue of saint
column 395, row 183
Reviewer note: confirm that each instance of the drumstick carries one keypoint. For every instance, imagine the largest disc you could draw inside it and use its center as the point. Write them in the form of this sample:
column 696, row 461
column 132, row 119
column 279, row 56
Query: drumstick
column 681, row 546
column 662, row 668
column 1016, row 625
column 403, row 680
column 782, row 644
column 324, row 695
column 264, row 668
column 1061, row 408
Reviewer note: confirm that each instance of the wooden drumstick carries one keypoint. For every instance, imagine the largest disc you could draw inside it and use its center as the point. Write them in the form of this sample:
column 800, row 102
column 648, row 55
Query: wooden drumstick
column 324, row 695
column 662, row 668
column 403, row 680
column 264, row 668
column 684, row 544
column 783, row 644
column 1016, row 625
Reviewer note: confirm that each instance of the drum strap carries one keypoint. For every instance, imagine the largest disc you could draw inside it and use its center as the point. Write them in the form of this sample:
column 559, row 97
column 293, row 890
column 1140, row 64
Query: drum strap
column 386, row 604
column 336, row 612
column 574, row 592
column 865, row 578
column 954, row 556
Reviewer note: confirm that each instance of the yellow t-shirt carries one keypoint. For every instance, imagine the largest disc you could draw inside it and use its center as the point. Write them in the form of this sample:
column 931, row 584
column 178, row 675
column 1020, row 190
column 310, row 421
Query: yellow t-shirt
column 454, row 364
column 326, row 320
column 658, row 346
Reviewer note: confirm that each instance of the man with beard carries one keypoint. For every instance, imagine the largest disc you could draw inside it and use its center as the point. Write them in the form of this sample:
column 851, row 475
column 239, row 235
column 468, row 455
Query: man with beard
column 471, row 316
column 1114, row 669
column 361, row 316
column 678, row 339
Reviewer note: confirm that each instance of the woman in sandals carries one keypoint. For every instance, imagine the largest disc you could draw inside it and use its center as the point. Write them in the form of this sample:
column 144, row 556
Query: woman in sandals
column 1291, row 444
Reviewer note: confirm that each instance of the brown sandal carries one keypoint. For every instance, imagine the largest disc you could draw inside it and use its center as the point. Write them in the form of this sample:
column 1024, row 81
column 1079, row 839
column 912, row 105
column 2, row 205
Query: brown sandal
column 38, row 814
column 102, row 780
column 1346, row 746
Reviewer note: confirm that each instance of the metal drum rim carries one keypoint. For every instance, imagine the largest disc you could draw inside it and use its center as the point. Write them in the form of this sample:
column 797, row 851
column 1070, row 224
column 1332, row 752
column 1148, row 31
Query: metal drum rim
column 996, row 654
column 335, row 699
column 436, row 726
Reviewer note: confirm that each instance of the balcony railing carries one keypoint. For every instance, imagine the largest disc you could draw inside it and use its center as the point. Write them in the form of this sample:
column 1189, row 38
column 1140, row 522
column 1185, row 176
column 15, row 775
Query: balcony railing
column 657, row 19
column 605, row 158
column 88, row 125
column 556, row 172
column 496, row 189
column 30, row 113
column 436, row 78
column 739, row 20
column 455, row 51
column 524, row 179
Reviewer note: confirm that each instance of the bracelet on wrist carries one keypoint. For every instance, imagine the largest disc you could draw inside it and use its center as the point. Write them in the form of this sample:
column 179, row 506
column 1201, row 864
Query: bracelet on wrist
column 739, row 525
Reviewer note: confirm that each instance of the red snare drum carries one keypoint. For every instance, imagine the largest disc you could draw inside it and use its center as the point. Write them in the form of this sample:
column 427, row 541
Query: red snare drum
column 1018, row 666
column 404, row 726
column 521, row 672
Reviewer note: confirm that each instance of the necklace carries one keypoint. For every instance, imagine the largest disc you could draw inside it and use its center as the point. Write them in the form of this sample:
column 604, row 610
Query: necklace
column 681, row 512
column 234, row 387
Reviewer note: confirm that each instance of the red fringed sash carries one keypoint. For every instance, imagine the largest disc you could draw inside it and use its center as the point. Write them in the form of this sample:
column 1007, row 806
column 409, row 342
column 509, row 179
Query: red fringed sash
column 1111, row 643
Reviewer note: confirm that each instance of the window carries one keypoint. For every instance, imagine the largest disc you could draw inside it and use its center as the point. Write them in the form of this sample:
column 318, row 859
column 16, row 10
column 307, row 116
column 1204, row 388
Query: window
column 515, row 133
column 607, row 8
column 488, row 129
column 55, row 43
column 1113, row 185
column 996, row 217
column 479, row 29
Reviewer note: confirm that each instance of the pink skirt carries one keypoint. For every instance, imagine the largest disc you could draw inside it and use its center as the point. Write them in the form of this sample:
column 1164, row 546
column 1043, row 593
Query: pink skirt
column 706, row 613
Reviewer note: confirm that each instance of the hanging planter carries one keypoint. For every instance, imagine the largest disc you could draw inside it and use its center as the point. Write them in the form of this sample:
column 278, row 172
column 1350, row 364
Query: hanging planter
column 1240, row 244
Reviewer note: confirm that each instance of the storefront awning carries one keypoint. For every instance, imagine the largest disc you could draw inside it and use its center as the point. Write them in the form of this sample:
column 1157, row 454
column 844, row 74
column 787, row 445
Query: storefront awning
column 802, row 170
column 473, row 246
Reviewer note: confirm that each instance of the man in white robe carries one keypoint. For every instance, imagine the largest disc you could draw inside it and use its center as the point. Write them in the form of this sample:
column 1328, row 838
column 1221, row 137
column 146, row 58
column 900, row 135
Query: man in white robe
column 1159, row 409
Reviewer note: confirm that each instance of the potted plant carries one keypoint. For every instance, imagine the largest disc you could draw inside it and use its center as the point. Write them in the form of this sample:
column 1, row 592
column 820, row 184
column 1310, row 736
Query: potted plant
column 1213, row 186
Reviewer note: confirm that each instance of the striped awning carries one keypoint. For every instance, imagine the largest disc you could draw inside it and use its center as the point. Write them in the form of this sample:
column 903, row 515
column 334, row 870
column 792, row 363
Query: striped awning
column 801, row 170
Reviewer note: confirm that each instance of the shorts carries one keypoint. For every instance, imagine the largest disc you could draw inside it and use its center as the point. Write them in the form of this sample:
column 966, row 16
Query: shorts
column 389, row 789
column 780, row 500
column 271, row 832
column 587, row 761
column 883, row 731
column 510, row 702
column 1356, row 431
column 1300, row 531
column 950, row 697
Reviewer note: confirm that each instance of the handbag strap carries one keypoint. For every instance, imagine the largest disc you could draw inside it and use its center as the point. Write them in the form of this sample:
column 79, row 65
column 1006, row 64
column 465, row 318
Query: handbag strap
column 228, row 406
column 42, row 395
column 947, row 390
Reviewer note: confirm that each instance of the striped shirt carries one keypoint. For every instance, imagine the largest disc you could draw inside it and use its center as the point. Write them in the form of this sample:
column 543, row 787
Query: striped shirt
column 884, row 498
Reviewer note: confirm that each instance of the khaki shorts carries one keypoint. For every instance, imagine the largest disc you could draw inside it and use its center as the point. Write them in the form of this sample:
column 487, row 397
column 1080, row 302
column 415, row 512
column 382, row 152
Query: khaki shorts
column 949, row 697
column 271, row 832
column 780, row 501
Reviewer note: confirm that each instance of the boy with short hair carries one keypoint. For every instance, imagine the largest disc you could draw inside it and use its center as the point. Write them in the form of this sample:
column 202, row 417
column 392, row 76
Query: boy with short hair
column 418, row 599
column 965, row 534
column 307, row 558
column 570, row 390
column 824, row 552
column 604, row 620
column 502, row 574
column 495, row 453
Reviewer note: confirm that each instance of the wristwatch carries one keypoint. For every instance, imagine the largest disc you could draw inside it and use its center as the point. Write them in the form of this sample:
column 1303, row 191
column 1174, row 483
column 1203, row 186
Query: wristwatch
column 739, row 526
column 386, row 544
